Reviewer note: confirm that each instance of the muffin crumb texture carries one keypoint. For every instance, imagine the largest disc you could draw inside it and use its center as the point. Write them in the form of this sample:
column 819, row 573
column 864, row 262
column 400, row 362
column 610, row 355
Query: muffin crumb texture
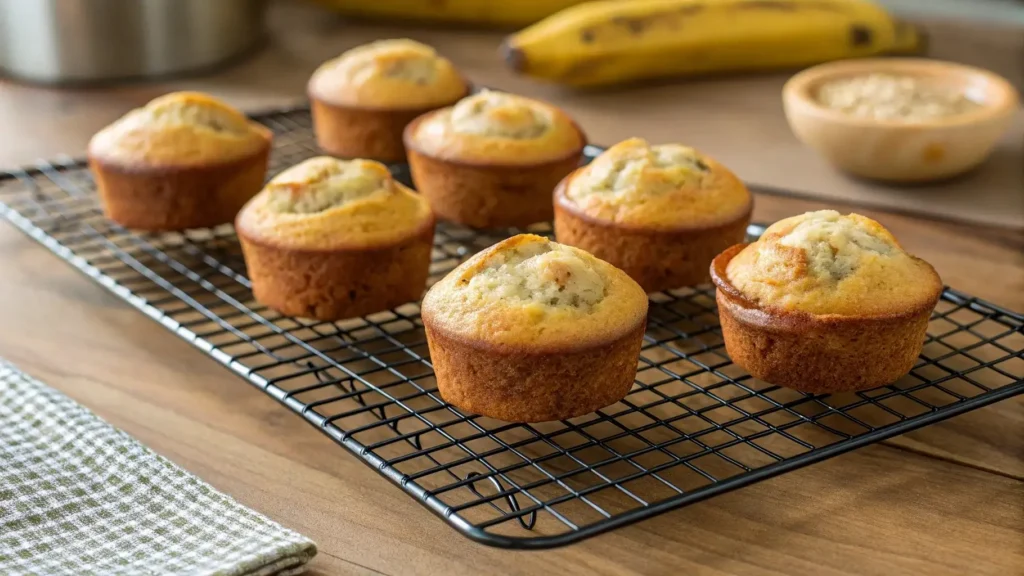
column 395, row 73
column 827, row 263
column 894, row 97
column 634, row 166
column 322, row 183
column 192, row 109
column 326, row 203
column 541, row 274
column 499, row 115
column 528, row 289
column 495, row 127
column 663, row 185
column 181, row 128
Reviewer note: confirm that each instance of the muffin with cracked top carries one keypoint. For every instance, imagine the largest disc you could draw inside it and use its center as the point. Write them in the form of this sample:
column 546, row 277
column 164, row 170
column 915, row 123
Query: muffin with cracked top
column 362, row 100
column 825, row 303
column 185, row 160
column 493, row 159
column 659, row 212
column 331, row 239
column 530, row 330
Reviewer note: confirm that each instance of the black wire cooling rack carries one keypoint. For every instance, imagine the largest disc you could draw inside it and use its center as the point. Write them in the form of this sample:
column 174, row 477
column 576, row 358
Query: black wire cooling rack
column 694, row 425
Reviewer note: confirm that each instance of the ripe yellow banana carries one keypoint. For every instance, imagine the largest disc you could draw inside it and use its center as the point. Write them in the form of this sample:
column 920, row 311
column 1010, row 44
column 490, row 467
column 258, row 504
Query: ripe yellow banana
column 498, row 13
column 609, row 42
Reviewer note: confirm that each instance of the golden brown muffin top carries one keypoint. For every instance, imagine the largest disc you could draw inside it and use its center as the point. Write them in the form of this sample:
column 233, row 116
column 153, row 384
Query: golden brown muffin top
column 395, row 74
column 500, row 128
column 529, row 291
column 664, row 186
column 179, row 129
column 826, row 263
column 325, row 203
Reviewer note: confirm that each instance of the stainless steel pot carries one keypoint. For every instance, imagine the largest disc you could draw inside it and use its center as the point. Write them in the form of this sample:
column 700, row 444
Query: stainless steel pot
column 59, row 41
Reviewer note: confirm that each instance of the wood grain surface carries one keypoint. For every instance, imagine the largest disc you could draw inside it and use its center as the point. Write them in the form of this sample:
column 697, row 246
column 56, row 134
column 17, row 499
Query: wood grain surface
column 946, row 499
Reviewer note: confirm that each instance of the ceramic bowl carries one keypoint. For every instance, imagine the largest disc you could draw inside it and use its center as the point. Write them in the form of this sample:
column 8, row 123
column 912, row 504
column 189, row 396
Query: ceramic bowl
column 895, row 149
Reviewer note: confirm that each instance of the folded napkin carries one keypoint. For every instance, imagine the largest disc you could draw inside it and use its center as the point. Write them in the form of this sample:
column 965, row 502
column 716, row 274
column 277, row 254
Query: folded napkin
column 78, row 496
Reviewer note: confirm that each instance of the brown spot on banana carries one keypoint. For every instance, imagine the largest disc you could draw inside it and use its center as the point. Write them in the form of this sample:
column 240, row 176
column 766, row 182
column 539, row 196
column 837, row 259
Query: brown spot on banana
column 861, row 35
column 780, row 5
column 635, row 25
column 586, row 36
column 638, row 25
column 786, row 6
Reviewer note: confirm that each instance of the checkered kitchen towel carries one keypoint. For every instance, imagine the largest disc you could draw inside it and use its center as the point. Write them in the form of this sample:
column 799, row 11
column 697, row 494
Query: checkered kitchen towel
column 78, row 496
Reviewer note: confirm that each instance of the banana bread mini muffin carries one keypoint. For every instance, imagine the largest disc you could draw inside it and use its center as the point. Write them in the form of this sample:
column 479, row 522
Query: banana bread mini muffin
column 493, row 159
column 529, row 331
column 362, row 100
column 185, row 160
column 824, row 303
column 661, row 213
column 332, row 239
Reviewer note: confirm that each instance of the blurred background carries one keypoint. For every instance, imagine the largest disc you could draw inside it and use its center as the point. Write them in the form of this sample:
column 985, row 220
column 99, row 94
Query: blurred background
column 73, row 66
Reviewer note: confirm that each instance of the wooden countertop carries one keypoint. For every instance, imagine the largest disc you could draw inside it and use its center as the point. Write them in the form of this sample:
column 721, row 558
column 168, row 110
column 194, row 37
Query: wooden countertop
column 946, row 499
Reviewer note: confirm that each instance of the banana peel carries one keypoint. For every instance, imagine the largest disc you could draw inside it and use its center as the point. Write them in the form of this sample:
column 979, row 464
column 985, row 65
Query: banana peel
column 610, row 42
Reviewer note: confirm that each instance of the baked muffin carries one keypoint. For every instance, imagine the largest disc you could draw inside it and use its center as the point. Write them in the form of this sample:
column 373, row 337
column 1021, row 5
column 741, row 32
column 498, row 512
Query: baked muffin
column 493, row 159
column 332, row 239
column 185, row 160
column 529, row 331
column 362, row 100
column 824, row 303
column 661, row 213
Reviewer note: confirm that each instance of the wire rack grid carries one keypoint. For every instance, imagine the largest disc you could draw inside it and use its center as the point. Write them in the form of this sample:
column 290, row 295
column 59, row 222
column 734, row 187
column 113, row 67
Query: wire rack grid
column 693, row 426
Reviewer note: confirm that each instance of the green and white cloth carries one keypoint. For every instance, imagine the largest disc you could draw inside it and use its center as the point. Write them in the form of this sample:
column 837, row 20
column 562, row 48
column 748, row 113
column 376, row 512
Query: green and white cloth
column 78, row 496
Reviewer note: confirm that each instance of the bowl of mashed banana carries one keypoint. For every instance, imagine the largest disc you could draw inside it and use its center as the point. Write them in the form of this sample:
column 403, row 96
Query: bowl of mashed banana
column 900, row 119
